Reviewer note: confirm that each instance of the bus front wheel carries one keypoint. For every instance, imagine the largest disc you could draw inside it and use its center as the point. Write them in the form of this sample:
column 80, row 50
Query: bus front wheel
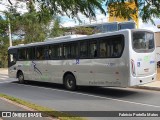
column 70, row 82
column 20, row 77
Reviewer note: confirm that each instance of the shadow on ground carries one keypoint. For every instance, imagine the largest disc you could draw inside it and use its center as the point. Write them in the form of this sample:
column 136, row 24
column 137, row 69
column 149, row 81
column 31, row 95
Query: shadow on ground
column 114, row 92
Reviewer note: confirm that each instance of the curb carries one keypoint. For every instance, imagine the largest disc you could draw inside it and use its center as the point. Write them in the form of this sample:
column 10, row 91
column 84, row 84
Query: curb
column 148, row 88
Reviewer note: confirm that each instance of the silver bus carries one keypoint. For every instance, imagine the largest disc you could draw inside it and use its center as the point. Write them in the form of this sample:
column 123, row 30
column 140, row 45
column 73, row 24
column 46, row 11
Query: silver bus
column 119, row 59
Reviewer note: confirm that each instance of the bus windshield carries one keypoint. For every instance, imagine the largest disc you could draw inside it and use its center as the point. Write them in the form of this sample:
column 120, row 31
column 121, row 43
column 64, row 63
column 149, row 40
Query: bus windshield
column 143, row 41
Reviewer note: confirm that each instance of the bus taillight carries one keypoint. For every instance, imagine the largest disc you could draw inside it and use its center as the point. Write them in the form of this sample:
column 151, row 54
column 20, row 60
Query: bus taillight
column 133, row 67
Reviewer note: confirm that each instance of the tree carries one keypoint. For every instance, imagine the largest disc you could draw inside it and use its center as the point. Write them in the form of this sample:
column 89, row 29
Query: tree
column 4, row 44
column 56, row 30
column 71, row 8
column 85, row 30
column 147, row 9
column 34, row 24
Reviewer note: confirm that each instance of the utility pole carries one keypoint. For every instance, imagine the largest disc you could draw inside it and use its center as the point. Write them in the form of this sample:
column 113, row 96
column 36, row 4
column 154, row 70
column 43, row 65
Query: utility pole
column 9, row 33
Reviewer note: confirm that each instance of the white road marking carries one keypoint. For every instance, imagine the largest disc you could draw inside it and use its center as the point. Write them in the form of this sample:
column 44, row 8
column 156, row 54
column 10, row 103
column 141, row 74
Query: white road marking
column 96, row 96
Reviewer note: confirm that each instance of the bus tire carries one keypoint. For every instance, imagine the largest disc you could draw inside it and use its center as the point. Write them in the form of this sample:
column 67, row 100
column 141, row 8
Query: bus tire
column 20, row 77
column 70, row 82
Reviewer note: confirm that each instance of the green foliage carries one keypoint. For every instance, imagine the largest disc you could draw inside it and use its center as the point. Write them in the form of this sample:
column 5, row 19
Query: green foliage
column 85, row 31
column 33, row 23
column 71, row 8
column 56, row 30
column 4, row 42
column 147, row 9
column 4, row 51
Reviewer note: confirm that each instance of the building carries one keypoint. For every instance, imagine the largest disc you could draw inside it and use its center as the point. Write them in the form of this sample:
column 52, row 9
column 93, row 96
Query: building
column 103, row 27
column 157, row 39
column 134, row 17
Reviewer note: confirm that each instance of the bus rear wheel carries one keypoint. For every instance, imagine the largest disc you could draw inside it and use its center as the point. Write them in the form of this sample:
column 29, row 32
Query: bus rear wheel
column 70, row 82
column 20, row 77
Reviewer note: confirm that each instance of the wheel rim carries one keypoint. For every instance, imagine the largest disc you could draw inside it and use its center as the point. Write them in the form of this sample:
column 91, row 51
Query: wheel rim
column 20, row 77
column 69, row 83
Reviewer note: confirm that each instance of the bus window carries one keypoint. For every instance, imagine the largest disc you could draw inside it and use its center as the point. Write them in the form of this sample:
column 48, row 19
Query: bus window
column 143, row 41
column 83, row 50
column 74, row 50
column 117, row 44
column 70, row 51
column 104, row 48
column 30, row 53
column 93, row 49
column 40, row 53
column 59, row 50
column 67, row 51
column 53, row 52
column 22, row 54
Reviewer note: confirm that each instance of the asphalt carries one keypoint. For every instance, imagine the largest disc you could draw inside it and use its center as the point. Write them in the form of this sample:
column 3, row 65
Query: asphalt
column 10, row 106
column 7, row 105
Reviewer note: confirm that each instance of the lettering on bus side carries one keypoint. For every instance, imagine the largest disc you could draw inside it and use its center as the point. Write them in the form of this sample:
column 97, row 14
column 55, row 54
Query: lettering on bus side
column 104, row 83
column 111, row 64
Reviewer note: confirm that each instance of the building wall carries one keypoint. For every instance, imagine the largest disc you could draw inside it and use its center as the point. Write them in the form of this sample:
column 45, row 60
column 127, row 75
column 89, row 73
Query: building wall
column 132, row 5
column 157, row 38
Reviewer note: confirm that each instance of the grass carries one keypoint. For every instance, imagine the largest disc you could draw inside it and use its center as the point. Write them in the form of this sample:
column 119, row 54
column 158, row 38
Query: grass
column 45, row 110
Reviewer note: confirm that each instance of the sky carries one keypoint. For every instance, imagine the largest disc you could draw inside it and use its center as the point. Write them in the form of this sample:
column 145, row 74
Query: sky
column 67, row 22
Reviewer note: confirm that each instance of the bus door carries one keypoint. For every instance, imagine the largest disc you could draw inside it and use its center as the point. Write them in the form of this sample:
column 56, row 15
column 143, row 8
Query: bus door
column 12, row 59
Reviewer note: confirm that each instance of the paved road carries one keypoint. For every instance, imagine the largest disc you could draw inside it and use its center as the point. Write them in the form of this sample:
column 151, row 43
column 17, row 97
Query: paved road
column 85, row 99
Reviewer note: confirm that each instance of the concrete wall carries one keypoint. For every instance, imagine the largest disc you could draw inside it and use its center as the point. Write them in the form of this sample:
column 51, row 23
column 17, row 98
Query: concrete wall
column 157, row 38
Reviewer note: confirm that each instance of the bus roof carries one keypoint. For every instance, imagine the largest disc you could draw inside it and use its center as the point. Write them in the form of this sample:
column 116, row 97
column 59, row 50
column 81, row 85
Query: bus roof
column 74, row 38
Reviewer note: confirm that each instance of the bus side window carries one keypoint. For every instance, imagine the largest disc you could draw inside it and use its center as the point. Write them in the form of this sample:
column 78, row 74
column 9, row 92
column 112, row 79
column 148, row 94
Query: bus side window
column 93, row 49
column 74, row 50
column 52, row 52
column 40, row 54
column 83, row 49
column 104, row 47
column 116, row 47
column 13, row 58
column 59, row 51
column 22, row 54
column 66, row 51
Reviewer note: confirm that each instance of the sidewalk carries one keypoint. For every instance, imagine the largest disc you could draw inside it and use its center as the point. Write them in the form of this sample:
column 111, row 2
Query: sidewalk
column 4, row 70
column 150, row 86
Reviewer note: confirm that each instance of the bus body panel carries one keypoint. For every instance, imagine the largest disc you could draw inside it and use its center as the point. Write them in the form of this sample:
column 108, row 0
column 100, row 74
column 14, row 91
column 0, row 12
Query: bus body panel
column 143, row 65
column 93, row 72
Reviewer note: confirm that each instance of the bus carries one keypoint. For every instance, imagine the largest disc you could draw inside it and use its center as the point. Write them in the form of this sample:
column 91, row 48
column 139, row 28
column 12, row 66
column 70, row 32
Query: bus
column 115, row 59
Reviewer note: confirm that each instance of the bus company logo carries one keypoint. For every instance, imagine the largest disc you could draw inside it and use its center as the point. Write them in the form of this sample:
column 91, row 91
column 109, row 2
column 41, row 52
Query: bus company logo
column 6, row 114
column 77, row 61
column 152, row 62
column 138, row 64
